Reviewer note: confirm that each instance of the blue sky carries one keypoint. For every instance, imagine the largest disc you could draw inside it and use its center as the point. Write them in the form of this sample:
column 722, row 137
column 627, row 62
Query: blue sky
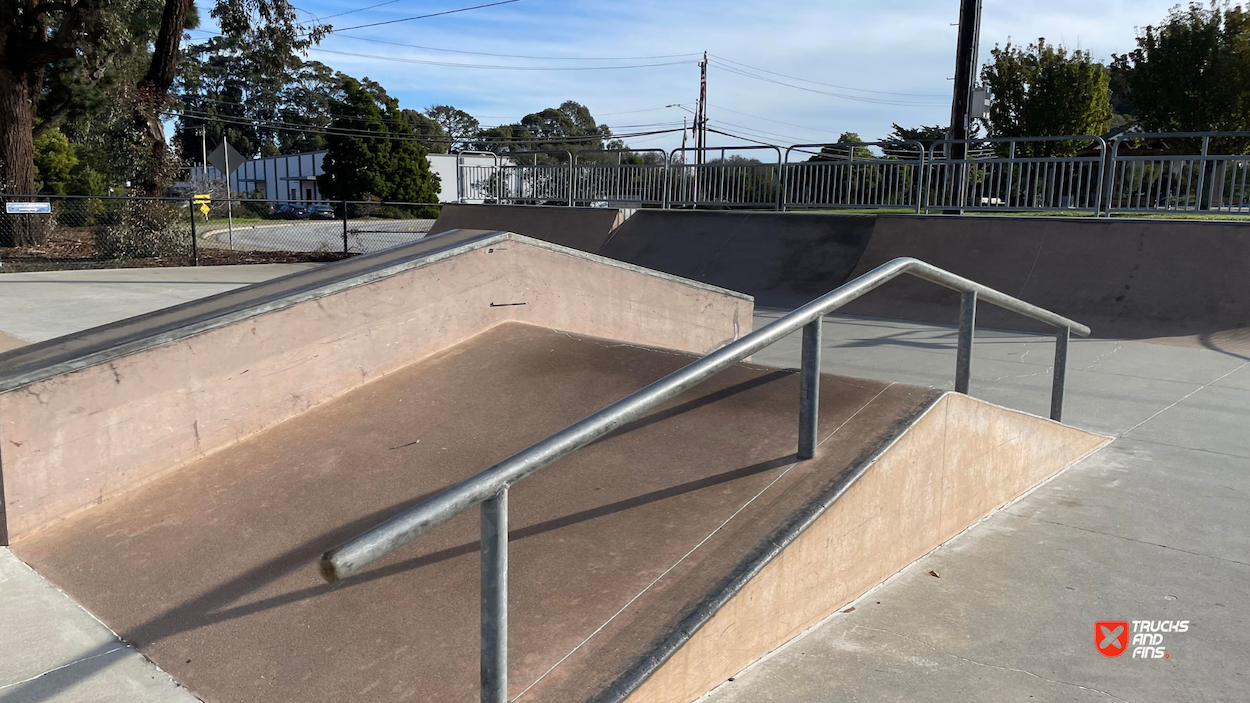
column 902, row 49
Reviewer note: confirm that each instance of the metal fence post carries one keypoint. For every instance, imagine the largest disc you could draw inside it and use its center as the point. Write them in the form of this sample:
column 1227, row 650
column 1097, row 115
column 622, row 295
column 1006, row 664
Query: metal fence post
column 809, row 389
column 195, row 240
column 1060, row 373
column 345, row 228
column 494, row 575
column 967, row 324
column 1202, row 174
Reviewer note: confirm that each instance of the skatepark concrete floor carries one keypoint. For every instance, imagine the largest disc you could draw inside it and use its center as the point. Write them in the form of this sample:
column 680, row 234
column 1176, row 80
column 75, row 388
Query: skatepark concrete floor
column 41, row 305
column 1154, row 527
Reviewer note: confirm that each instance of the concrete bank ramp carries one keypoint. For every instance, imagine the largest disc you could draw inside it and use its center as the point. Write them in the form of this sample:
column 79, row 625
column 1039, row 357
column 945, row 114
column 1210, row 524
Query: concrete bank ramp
column 647, row 567
column 90, row 415
column 1130, row 279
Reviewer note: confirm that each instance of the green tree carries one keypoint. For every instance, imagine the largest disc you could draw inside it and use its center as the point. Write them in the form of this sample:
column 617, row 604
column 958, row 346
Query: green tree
column 1044, row 90
column 567, row 128
column 833, row 152
column 55, row 162
column 457, row 124
column 388, row 166
column 425, row 126
column 897, row 147
column 1191, row 73
column 79, row 38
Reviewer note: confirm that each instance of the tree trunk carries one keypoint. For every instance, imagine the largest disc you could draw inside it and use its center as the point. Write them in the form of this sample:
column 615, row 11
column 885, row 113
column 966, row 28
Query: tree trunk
column 18, row 99
column 153, row 95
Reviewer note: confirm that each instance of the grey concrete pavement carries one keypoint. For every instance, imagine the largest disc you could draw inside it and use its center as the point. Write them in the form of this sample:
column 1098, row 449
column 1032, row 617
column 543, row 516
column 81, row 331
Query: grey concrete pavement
column 363, row 236
column 38, row 306
column 47, row 639
column 1154, row 527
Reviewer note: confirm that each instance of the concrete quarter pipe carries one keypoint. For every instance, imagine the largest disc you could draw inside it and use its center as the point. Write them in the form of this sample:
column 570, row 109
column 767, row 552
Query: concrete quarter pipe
column 1129, row 279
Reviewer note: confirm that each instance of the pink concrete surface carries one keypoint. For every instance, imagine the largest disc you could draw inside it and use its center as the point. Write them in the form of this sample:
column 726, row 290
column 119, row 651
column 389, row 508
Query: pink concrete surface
column 79, row 438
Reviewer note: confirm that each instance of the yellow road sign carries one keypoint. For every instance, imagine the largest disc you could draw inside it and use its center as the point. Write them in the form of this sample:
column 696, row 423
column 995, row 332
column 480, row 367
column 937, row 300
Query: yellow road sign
column 204, row 209
column 203, row 198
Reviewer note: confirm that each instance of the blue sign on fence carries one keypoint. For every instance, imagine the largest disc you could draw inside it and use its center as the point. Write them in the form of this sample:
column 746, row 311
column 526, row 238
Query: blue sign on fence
column 28, row 208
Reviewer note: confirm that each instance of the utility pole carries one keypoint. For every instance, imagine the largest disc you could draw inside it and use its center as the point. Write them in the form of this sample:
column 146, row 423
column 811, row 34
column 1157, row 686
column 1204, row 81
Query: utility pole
column 966, row 61
column 699, row 128
column 965, row 73
column 701, row 119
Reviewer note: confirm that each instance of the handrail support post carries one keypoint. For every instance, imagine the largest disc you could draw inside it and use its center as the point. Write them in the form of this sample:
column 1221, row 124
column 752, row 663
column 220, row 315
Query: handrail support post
column 494, row 614
column 967, row 325
column 809, row 389
column 1060, row 373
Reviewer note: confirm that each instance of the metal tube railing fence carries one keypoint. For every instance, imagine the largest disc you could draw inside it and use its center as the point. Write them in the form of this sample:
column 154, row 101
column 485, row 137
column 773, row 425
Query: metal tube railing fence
column 724, row 182
column 1166, row 173
column 1017, row 175
column 596, row 180
column 490, row 488
column 835, row 177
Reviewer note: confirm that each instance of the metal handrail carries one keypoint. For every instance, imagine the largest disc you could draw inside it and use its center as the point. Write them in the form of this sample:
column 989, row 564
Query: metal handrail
column 490, row 487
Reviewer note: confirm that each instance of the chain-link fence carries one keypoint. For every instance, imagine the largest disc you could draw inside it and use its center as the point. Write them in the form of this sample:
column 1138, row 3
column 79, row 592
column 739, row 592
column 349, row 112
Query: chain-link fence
column 70, row 232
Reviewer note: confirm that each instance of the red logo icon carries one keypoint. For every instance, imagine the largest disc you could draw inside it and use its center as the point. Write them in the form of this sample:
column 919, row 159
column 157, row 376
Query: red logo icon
column 1111, row 638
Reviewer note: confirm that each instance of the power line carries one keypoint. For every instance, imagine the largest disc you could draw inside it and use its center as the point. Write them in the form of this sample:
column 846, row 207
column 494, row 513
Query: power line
column 424, row 62
column 767, row 119
column 348, row 12
column 757, row 131
column 827, row 85
column 370, row 134
column 517, row 56
column 484, row 53
column 399, row 121
column 432, row 14
column 856, row 98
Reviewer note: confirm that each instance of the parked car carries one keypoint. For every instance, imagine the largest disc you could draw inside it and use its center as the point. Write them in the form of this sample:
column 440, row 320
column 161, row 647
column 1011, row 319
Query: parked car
column 321, row 212
column 292, row 211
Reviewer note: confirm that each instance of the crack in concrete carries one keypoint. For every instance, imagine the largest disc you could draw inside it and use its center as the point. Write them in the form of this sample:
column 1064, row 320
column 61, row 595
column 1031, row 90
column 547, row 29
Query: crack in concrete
column 1098, row 359
column 1044, row 371
column 64, row 666
column 992, row 666
column 1129, row 539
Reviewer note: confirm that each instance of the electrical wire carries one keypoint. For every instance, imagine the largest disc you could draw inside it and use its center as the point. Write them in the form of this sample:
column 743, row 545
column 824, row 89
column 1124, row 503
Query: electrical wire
column 767, row 119
column 337, row 35
column 856, row 98
column 370, row 134
column 349, row 12
column 827, row 85
column 425, row 62
column 432, row 14
column 517, row 56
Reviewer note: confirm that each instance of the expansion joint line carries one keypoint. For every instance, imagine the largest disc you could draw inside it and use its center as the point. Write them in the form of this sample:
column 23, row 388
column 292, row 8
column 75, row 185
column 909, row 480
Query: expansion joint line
column 1187, row 397
column 695, row 548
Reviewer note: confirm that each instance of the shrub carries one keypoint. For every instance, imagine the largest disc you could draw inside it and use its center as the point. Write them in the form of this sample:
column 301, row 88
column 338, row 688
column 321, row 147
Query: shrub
column 144, row 228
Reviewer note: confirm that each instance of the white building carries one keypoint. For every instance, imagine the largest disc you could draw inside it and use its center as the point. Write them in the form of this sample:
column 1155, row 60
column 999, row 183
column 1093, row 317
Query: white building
column 293, row 177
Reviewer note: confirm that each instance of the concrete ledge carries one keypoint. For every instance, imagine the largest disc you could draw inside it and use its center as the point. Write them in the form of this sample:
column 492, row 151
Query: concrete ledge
column 961, row 460
column 94, row 414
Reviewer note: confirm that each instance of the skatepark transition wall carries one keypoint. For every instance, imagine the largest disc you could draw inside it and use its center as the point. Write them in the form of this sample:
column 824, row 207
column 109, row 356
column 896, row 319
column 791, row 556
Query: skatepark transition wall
column 90, row 415
column 1125, row 278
